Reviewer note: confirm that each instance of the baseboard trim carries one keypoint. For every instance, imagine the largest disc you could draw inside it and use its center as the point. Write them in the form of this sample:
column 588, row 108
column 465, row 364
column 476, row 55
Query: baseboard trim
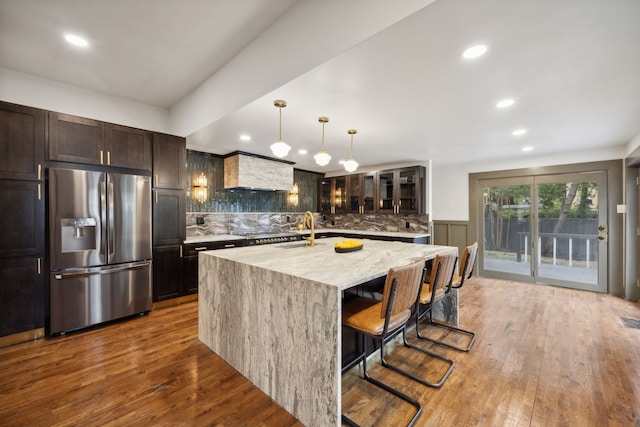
column 174, row 301
column 31, row 335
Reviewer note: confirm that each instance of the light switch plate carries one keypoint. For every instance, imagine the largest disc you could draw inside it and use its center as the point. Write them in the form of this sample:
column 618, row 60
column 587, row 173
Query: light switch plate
column 621, row 208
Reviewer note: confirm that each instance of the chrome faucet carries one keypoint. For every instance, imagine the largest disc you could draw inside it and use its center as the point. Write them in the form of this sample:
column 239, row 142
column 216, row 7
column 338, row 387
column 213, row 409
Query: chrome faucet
column 312, row 238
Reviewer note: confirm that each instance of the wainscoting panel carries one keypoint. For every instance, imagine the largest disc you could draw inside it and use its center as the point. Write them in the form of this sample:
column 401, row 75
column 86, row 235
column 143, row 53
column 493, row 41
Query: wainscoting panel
column 451, row 233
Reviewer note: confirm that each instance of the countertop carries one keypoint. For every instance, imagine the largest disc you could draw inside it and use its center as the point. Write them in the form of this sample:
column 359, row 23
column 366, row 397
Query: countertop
column 322, row 264
column 228, row 237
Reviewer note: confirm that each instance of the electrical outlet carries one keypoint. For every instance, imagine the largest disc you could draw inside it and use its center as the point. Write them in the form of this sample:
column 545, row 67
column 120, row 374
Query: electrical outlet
column 333, row 222
column 199, row 220
column 407, row 225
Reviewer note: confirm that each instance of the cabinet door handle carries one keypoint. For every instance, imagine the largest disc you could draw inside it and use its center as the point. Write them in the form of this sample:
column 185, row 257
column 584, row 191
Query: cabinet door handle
column 180, row 251
column 39, row 171
column 156, row 197
column 156, row 181
column 109, row 157
column 201, row 248
column 39, row 191
column 101, row 157
column 230, row 245
column 39, row 266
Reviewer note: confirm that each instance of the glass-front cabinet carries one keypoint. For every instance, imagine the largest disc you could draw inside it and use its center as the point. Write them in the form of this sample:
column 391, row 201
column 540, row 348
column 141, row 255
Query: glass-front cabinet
column 333, row 195
column 410, row 190
column 340, row 195
column 393, row 191
column 400, row 191
column 361, row 193
column 386, row 192
column 325, row 196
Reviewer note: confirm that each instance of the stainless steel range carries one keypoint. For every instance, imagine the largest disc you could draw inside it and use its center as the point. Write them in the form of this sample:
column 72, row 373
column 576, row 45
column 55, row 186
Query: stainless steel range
column 267, row 238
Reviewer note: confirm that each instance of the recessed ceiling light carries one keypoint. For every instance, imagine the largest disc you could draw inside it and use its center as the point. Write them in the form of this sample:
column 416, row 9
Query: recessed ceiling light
column 519, row 132
column 245, row 137
column 302, row 151
column 505, row 103
column 76, row 40
column 475, row 51
column 527, row 148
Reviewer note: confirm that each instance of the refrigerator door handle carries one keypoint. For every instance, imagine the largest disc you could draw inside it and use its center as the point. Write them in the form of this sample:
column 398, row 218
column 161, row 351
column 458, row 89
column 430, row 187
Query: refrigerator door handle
column 95, row 272
column 111, row 241
column 103, row 219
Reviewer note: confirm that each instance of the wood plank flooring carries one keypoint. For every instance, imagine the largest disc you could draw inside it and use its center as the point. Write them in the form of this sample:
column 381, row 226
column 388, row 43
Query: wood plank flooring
column 543, row 356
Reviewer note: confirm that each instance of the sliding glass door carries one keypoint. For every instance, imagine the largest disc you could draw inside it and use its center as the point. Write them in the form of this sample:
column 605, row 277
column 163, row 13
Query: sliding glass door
column 560, row 239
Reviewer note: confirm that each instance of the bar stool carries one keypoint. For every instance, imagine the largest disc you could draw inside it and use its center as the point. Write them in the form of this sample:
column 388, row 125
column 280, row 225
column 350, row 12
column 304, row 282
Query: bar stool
column 381, row 320
column 457, row 280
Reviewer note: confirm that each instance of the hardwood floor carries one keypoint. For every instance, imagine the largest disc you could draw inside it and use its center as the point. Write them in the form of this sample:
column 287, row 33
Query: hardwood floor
column 149, row 371
column 543, row 356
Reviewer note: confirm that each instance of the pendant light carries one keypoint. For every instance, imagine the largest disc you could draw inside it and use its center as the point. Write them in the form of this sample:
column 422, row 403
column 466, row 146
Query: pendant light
column 280, row 148
column 322, row 158
column 351, row 165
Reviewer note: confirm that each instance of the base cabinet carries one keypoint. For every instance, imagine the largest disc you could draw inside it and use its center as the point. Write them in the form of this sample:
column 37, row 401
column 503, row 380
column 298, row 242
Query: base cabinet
column 167, row 272
column 21, row 295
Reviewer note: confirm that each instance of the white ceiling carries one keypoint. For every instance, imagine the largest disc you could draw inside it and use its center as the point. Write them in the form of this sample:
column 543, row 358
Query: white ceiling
column 572, row 66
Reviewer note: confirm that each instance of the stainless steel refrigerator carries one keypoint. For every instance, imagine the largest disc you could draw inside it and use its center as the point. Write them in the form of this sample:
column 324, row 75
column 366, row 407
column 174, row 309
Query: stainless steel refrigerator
column 100, row 247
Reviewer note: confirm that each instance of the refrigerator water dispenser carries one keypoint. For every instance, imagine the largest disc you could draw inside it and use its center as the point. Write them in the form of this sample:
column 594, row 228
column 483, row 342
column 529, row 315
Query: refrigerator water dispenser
column 78, row 234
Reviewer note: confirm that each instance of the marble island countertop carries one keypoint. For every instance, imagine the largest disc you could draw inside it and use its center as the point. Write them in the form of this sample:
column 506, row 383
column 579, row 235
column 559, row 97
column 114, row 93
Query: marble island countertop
column 306, row 232
column 321, row 263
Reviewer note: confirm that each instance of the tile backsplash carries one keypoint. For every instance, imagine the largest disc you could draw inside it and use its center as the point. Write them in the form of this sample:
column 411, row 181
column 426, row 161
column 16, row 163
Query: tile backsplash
column 240, row 223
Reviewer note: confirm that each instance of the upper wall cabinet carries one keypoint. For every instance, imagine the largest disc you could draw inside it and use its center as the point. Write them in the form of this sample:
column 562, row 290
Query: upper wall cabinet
column 21, row 142
column 400, row 191
column 169, row 161
column 393, row 191
column 128, row 147
column 80, row 140
column 361, row 193
column 76, row 139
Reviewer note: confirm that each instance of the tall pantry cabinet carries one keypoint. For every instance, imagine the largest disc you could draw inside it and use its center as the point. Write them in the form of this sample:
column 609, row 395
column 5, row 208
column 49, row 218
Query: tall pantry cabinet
column 22, row 228
column 169, row 215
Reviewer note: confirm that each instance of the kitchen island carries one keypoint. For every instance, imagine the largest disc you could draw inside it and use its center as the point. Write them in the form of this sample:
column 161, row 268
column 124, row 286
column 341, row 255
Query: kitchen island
column 273, row 312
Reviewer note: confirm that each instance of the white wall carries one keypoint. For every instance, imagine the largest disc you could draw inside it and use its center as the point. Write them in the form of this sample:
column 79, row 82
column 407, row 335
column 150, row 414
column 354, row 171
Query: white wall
column 450, row 182
column 25, row 89
column 635, row 143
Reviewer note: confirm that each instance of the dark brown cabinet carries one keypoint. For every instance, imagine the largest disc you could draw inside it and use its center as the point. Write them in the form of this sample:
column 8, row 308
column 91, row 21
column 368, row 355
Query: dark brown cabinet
column 21, row 295
column 22, row 224
column 22, row 132
column 400, row 191
column 169, row 219
column 169, row 161
column 361, row 193
column 76, row 139
column 128, row 147
column 167, row 272
column 333, row 195
column 393, row 191
column 168, row 234
column 80, row 140
column 22, row 145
